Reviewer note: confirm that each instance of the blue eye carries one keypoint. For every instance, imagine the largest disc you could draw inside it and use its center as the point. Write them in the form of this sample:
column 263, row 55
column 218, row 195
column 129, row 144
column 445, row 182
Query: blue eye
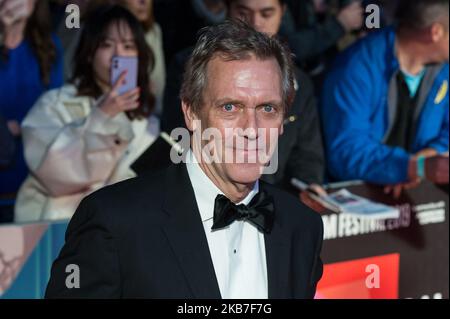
column 228, row 107
column 268, row 108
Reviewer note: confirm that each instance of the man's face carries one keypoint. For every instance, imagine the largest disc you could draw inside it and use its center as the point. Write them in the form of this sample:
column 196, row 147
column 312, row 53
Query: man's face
column 264, row 15
column 244, row 95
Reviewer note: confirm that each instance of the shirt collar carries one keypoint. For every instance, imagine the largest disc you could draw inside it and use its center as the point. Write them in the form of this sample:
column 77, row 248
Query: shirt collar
column 206, row 191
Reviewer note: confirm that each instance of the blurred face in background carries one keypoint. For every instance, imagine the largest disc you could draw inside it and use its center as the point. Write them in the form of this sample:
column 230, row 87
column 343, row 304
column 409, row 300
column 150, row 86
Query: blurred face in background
column 140, row 8
column 442, row 33
column 15, row 10
column 264, row 15
column 30, row 4
column 435, row 39
column 119, row 41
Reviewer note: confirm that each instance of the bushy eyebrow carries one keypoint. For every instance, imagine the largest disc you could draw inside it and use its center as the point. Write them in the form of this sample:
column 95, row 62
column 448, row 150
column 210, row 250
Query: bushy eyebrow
column 227, row 100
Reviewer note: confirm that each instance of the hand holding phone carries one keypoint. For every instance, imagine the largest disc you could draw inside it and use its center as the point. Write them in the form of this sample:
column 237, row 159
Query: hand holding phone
column 118, row 66
column 114, row 103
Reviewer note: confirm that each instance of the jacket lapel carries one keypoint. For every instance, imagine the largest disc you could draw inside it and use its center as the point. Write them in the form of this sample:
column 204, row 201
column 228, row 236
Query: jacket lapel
column 187, row 236
column 278, row 247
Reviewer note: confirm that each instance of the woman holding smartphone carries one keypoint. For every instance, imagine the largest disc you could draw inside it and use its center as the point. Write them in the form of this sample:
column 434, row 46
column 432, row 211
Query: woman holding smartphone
column 30, row 64
column 143, row 11
column 86, row 135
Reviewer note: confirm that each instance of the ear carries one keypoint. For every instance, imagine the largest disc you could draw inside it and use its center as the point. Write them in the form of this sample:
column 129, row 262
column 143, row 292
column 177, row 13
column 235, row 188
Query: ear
column 189, row 116
column 282, row 129
column 437, row 32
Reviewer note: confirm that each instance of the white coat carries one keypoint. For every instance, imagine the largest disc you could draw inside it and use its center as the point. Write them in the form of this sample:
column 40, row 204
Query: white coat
column 72, row 148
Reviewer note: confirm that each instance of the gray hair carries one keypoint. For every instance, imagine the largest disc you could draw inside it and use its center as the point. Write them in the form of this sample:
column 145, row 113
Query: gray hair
column 234, row 40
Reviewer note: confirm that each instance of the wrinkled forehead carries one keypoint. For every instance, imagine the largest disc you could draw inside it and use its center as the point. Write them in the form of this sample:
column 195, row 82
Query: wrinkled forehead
column 221, row 60
column 251, row 76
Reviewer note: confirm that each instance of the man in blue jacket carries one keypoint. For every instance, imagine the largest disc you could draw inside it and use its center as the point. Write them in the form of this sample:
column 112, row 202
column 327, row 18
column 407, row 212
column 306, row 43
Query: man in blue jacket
column 385, row 105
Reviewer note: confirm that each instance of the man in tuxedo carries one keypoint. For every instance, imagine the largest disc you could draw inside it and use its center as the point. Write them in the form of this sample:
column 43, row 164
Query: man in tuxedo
column 207, row 227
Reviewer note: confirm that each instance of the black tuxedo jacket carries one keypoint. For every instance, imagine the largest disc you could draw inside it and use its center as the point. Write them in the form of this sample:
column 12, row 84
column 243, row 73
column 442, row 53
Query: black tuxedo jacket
column 144, row 238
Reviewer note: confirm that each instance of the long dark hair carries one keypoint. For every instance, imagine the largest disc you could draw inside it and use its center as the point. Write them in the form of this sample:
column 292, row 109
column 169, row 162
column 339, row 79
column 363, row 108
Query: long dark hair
column 38, row 33
column 93, row 33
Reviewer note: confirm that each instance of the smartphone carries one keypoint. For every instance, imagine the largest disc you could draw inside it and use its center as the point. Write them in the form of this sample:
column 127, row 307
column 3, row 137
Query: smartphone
column 120, row 64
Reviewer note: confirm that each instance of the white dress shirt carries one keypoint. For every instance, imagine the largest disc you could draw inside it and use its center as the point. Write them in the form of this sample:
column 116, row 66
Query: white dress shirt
column 237, row 251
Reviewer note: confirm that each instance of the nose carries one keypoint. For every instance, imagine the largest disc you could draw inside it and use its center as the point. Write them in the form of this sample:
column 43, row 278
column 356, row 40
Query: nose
column 258, row 22
column 119, row 50
column 250, row 124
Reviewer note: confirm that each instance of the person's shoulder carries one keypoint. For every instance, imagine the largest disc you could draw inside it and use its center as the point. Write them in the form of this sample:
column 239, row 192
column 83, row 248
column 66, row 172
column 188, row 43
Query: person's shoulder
column 369, row 51
column 146, row 187
column 119, row 206
column 156, row 28
column 52, row 96
column 443, row 72
column 290, row 211
column 50, row 107
column 153, row 35
column 68, row 90
column 364, row 63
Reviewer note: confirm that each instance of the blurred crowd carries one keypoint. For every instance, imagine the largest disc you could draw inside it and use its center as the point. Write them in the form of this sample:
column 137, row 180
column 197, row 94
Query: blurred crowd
column 371, row 104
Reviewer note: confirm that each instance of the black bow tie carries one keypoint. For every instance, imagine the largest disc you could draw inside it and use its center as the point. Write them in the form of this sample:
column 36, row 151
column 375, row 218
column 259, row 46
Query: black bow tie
column 260, row 212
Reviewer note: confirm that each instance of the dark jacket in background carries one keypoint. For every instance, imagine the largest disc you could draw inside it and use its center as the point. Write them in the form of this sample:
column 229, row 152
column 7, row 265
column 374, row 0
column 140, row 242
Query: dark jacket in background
column 300, row 147
column 179, row 24
column 308, row 35
column 7, row 146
